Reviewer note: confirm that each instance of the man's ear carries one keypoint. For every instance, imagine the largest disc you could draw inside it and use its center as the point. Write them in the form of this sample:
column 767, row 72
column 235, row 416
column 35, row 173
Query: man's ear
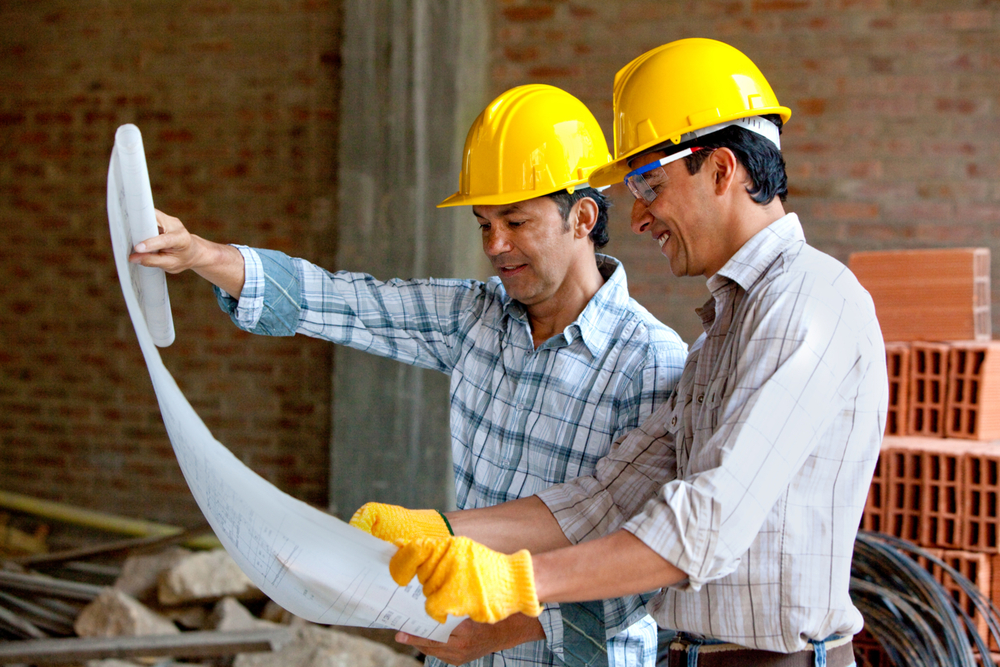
column 584, row 216
column 724, row 167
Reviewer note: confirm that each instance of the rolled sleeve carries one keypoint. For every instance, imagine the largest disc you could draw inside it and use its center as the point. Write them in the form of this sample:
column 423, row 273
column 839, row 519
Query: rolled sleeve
column 269, row 303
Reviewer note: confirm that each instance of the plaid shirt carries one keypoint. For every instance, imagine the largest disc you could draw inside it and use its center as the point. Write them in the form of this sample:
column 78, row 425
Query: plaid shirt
column 752, row 477
column 522, row 419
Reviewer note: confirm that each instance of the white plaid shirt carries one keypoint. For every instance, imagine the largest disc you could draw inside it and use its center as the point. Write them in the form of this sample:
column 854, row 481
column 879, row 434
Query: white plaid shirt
column 521, row 419
column 752, row 477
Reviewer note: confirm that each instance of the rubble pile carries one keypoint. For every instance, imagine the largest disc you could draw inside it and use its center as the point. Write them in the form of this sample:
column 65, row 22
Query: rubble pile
column 193, row 607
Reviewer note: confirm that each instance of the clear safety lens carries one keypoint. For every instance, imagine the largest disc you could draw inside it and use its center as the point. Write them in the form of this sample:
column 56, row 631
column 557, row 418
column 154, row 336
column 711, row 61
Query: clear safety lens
column 636, row 179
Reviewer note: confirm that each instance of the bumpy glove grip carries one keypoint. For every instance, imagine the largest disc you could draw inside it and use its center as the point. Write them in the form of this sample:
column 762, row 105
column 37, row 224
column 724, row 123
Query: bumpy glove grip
column 463, row 578
column 393, row 523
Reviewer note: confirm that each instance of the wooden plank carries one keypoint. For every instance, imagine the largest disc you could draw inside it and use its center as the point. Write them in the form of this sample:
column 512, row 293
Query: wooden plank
column 135, row 544
column 59, row 588
column 203, row 644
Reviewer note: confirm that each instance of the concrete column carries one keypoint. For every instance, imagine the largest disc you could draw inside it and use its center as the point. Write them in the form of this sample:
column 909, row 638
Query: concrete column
column 414, row 79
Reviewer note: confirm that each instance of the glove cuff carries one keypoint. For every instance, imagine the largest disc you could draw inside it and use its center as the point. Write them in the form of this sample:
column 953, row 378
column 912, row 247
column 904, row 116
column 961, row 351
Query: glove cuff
column 523, row 573
column 430, row 524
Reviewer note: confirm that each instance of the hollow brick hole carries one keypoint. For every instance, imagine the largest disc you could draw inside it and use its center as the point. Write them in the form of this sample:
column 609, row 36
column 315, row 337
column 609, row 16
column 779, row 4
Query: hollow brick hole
column 913, row 534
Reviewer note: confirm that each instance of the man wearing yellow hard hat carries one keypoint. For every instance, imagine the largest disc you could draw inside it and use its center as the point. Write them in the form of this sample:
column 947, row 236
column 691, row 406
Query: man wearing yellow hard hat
column 550, row 362
column 739, row 498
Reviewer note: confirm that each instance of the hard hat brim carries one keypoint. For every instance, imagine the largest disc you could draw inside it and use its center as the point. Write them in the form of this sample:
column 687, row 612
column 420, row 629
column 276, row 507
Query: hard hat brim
column 459, row 199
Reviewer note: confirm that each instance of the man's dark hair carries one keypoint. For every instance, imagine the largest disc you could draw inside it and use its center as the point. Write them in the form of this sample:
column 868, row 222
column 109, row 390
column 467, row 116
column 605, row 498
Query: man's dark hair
column 565, row 200
column 760, row 157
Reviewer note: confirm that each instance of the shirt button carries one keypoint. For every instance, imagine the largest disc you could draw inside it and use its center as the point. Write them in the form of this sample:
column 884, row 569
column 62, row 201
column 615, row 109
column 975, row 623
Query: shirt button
column 520, row 406
column 673, row 421
column 701, row 398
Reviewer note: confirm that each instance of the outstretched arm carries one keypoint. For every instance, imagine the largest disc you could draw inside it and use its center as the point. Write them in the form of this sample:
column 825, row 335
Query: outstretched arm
column 176, row 250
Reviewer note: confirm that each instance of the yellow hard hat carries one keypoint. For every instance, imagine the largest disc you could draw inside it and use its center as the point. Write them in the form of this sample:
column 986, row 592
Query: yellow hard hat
column 678, row 89
column 531, row 141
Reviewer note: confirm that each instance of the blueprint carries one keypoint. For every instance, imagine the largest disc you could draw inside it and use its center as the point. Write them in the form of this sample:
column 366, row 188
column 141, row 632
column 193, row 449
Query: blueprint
column 309, row 562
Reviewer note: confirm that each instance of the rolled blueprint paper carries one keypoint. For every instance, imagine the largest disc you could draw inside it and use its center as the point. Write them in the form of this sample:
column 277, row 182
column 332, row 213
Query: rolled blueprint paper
column 311, row 563
column 130, row 208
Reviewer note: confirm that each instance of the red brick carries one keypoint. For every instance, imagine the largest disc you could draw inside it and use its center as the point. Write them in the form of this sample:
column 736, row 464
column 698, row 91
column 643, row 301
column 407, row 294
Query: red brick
column 875, row 516
column 980, row 515
column 924, row 477
column 897, row 357
column 977, row 568
column 529, row 13
column 928, row 294
column 927, row 397
column 973, row 397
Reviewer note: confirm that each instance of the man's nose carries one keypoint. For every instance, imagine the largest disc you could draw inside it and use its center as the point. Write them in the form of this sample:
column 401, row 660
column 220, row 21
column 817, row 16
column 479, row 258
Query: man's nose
column 496, row 241
column 641, row 217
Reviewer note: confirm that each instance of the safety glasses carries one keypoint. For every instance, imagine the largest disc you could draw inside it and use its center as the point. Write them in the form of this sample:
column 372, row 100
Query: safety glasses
column 636, row 179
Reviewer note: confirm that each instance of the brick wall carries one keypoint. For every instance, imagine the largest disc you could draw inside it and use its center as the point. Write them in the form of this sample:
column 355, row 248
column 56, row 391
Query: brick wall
column 236, row 102
column 893, row 141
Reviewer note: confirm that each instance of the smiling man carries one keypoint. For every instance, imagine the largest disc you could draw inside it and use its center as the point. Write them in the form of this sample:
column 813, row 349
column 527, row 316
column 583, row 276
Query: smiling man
column 550, row 363
column 739, row 498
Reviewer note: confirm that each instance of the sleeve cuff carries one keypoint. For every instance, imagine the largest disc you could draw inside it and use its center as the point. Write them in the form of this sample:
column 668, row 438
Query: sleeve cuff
column 694, row 551
column 270, row 301
column 246, row 309
column 583, row 509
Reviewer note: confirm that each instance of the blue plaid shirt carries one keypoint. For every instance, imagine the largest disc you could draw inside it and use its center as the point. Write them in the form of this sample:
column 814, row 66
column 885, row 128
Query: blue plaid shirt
column 522, row 419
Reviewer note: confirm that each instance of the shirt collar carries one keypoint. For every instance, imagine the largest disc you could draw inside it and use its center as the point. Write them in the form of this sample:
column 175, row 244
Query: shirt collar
column 757, row 254
column 612, row 296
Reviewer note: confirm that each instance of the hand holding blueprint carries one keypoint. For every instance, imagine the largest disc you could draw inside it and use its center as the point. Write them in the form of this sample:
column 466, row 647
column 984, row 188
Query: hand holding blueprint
column 309, row 562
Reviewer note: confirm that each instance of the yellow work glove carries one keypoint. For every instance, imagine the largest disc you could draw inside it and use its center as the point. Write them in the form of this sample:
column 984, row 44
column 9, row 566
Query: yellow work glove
column 464, row 578
column 393, row 523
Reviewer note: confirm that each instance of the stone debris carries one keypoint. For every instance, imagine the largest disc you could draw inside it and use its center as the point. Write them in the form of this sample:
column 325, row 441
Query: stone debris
column 316, row 646
column 118, row 614
column 205, row 576
column 178, row 592
column 188, row 617
column 141, row 574
column 229, row 615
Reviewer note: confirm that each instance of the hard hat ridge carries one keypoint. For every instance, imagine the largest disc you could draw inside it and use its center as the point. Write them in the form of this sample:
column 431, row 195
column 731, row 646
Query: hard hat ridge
column 530, row 141
column 683, row 89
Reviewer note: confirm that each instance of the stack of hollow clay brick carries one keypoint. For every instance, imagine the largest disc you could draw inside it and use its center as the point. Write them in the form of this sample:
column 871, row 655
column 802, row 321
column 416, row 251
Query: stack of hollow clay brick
column 936, row 480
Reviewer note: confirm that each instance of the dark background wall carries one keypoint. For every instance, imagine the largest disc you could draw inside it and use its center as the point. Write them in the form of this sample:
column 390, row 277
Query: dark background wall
column 894, row 140
column 237, row 105
column 893, row 143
